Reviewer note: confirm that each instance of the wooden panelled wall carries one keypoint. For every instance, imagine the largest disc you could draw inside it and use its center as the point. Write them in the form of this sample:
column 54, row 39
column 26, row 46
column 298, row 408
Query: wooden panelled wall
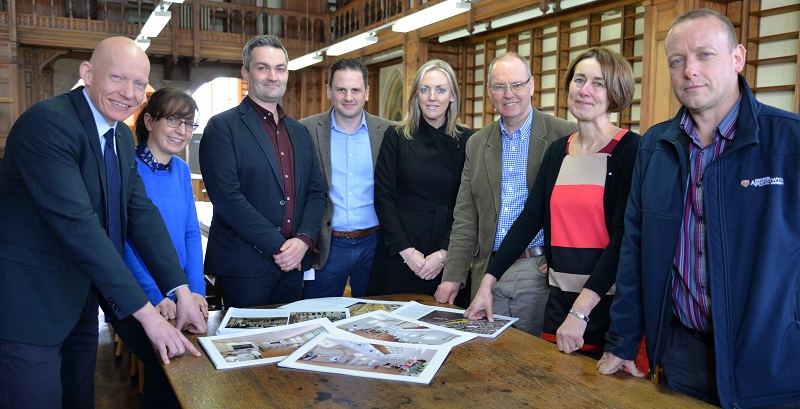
column 636, row 28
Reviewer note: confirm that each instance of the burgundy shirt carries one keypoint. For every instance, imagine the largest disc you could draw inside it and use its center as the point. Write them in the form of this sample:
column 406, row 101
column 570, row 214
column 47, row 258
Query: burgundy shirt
column 284, row 153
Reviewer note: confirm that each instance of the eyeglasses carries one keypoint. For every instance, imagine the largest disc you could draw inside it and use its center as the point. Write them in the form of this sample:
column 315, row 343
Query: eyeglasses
column 175, row 122
column 500, row 89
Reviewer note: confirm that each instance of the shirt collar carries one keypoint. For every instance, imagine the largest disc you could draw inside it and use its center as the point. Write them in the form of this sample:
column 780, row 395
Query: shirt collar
column 725, row 129
column 335, row 126
column 99, row 122
column 147, row 157
column 524, row 130
column 263, row 112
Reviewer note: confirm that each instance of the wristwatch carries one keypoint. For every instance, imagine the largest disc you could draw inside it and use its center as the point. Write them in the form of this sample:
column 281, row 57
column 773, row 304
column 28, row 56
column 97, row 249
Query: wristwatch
column 579, row 315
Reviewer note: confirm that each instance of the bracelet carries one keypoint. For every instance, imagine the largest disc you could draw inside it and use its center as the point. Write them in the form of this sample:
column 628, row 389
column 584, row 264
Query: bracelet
column 579, row 315
column 409, row 256
column 441, row 260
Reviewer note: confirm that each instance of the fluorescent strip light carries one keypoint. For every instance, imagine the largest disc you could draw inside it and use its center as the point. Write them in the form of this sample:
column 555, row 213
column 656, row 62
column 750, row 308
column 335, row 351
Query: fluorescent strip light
column 352, row 44
column 430, row 15
column 305, row 61
column 143, row 42
column 385, row 56
column 174, row 1
column 463, row 33
column 517, row 18
column 155, row 23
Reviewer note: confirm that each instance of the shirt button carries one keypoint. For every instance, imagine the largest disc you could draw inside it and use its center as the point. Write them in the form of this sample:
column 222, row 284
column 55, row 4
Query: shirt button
column 699, row 253
column 288, row 220
column 286, row 176
column 282, row 202
column 281, row 153
column 288, row 198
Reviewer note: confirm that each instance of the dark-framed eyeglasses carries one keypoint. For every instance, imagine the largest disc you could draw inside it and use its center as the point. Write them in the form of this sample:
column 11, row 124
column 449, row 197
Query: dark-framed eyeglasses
column 174, row 122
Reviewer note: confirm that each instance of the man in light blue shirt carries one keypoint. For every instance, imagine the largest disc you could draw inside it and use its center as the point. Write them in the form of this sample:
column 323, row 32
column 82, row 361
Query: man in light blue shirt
column 347, row 140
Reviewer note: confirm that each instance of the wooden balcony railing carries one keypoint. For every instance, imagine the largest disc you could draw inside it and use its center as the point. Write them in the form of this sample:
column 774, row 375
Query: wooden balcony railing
column 205, row 21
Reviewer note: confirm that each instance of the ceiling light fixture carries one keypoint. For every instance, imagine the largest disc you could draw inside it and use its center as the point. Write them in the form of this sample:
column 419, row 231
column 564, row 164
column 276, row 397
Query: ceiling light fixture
column 157, row 21
column 430, row 15
column 352, row 44
column 143, row 42
column 305, row 61
column 463, row 33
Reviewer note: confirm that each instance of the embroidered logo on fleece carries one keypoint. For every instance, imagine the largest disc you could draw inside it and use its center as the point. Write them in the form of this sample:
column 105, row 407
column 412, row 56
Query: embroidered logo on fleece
column 766, row 181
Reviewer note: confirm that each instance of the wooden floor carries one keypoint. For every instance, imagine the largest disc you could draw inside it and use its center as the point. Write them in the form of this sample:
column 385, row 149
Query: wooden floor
column 113, row 386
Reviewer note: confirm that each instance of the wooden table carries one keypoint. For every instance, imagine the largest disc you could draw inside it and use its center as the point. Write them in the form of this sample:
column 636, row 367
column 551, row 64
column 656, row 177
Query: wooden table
column 511, row 371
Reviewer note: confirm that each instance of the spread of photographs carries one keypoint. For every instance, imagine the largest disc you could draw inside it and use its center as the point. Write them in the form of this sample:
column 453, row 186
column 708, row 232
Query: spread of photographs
column 385, row 326
column 454, row 319
column 348, row 354
column 262, row 346
column 242, row 319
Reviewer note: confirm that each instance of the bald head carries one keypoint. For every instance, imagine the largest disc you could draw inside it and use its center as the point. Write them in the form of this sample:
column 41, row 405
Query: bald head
column 116, row 78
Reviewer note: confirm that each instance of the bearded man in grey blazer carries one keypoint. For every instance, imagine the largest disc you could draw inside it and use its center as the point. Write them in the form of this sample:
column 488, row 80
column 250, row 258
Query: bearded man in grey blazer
column 502, row 161
column 347, row 140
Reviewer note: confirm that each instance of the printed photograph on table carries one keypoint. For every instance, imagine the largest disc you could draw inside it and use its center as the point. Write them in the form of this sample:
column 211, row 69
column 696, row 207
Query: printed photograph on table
column 384, row 326
column 361, row 308
column 356, row 306
column 351, row 355
column 243, row 319
column 333, row 316
column 262, row 346
column 454, row 319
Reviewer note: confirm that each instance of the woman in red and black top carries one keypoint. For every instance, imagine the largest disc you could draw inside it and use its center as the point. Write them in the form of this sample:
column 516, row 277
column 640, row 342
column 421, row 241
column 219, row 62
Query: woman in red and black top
column 579, row 198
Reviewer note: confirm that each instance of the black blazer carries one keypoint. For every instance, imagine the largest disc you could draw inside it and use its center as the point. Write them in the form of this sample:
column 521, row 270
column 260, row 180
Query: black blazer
column 53, row 240
column 241, row 175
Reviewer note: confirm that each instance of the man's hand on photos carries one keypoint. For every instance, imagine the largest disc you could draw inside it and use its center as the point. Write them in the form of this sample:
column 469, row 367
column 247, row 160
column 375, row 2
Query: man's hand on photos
column 290, row 256
column 481, row 306
column 167, row 309
column 190, row 317
column 168, row 340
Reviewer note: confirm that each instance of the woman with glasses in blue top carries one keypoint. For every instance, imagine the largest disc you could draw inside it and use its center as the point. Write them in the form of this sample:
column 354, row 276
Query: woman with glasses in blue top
column 163, row 129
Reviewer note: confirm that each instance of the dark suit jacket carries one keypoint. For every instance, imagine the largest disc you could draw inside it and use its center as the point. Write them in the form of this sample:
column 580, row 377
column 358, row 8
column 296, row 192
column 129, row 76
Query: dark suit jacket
column 241, row 175
column 53, row 240
column 319, row 127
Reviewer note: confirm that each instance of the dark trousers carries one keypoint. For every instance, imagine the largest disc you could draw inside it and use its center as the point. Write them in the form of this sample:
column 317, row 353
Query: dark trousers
column 157, row 391
column 54, row 376
column 272, row 287
column 689, row 363
column 348, row 259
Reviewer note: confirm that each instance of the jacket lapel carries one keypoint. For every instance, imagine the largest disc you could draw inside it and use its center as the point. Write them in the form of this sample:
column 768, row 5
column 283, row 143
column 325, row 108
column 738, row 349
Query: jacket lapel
column 493, row 157
column 323, row 136
column 89, row 127
column 376, row 131
column 251, row 121
column 536, row 147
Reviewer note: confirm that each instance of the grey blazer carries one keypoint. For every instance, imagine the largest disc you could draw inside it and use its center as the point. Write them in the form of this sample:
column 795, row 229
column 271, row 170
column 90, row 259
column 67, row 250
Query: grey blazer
column 478, row 201
column 319, row 127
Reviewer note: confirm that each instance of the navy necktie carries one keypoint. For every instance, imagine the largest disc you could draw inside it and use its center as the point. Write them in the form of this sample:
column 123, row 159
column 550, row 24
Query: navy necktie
column 113, row 187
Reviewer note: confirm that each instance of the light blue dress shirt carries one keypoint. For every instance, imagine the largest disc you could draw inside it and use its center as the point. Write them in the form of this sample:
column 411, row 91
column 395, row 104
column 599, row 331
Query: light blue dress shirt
column 514, row 182
column 353, row 178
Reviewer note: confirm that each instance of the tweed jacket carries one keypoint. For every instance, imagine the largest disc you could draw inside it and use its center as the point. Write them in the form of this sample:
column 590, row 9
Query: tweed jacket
column 478, row 202
column 319, row 127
